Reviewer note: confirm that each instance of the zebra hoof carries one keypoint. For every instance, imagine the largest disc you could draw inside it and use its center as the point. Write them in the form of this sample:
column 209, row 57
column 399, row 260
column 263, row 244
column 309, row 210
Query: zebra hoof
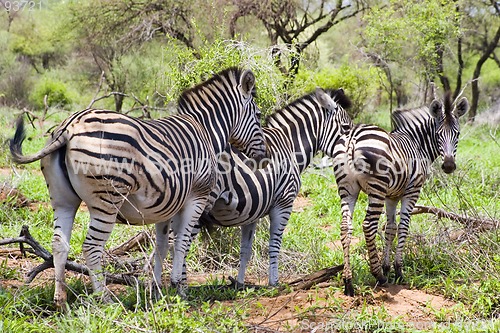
column 235, row 284
column 382, row 280
column 61, row 306
column 348, row 288
column 399, row 279
column 156, row 293
column 180, row 289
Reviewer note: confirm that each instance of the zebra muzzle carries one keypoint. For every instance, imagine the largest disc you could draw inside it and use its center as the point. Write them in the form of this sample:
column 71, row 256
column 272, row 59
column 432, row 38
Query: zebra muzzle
column 448, row 164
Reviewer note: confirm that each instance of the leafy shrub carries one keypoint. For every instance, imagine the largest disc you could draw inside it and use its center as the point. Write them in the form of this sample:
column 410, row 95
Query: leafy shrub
column 359, row 83
column 185, row 69
column 56, row 92
column 15, row 84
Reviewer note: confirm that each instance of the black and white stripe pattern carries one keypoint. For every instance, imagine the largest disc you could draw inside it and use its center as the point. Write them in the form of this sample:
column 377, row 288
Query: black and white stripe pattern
column 142, row 172
column 392, row 168
column 245, row 194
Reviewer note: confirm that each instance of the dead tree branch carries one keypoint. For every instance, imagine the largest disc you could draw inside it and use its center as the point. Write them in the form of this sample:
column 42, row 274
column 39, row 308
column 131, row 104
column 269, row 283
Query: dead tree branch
column 141, row 240
column 315, row 278
column 101, row 80
column 481, row 224
column 37, row 249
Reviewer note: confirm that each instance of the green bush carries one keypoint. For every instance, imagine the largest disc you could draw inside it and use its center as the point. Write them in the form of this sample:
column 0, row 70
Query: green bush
column 56, row 92
column 184, row 69
column 358, row 82
column 15, row 84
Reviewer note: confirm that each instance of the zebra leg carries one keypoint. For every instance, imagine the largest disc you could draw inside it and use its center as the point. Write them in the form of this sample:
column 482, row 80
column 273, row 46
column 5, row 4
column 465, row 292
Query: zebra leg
column 194, row 233
column 370, row 228
column 278, row 220
column 390, row 233
column 63, row 224
column 183, row 224
column 407, row 205
column 348, row 201
column 161, row 249
column 348, row 190
column 65, row 203
column 102, row 221
column 247, row 236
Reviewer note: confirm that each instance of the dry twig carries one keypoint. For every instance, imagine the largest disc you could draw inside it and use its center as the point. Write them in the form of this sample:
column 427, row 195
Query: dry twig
column 481, row 224
column 315, row 278
column 141, row 240
column 37, row 249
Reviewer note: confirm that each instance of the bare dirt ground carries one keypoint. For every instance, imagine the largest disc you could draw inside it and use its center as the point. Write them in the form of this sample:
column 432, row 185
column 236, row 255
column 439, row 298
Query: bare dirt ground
column 303, row 310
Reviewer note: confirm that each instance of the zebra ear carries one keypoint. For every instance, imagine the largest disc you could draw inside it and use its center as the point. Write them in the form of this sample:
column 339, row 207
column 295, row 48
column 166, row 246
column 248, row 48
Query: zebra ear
column 325, row 100
column 436, row 108
column 247, row 83
column 462, row 107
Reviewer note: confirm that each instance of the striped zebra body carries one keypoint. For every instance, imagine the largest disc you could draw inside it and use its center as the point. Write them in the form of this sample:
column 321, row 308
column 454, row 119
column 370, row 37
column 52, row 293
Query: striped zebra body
column 141, row 172
column 392, row 168
column 293, row 135
column 276, row 184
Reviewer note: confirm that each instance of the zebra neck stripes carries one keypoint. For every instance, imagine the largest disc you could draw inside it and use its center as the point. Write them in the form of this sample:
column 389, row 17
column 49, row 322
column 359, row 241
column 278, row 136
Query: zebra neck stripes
column 208, row 104
column 310, row 127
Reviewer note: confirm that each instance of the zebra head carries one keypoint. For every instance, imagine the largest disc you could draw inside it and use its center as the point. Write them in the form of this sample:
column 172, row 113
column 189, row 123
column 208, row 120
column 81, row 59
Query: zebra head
column 448, row 128
column 337, row 120
column 247, row 134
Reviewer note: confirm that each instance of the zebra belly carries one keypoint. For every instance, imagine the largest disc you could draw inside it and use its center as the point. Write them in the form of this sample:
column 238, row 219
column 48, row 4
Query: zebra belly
column 246, row 200
column 134, row 212
column 240, row 210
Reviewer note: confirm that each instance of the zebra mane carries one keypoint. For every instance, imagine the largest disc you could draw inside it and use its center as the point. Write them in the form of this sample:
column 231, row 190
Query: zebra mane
column 228, row 74
column 448, row 106
column 340, row 98
column 409, row 118
column 403, row 119
column 336, row 94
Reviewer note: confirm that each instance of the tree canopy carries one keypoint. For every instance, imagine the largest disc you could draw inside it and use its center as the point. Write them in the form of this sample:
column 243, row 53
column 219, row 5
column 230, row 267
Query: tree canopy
column 152, row 49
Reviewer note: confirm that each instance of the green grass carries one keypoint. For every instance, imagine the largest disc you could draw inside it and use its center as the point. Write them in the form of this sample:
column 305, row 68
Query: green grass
column 29, row 311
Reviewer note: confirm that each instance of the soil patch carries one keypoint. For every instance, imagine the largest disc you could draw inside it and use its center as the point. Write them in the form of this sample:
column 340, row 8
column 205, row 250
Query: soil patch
column 301, row 203
column 303, row 311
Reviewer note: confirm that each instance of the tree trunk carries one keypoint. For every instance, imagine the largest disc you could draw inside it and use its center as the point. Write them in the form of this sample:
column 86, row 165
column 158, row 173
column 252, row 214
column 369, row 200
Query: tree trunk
column 440, row 68
column 488, row 50
column 118, row 102
column 460, row 68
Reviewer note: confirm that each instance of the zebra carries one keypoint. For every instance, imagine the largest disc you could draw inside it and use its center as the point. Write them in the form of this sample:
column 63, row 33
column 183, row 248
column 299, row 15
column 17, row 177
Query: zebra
column 170, row 169
column 392, row 168
column 245, row 194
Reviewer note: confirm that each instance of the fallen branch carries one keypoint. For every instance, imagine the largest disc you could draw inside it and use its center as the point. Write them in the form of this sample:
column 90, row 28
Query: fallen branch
column 481, row 224
column 141, row 240
column 315, row 278
column 37, row 249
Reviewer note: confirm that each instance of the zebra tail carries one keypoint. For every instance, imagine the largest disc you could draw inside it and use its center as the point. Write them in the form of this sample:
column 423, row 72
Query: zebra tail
column 208, row 222
column 58, row 140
